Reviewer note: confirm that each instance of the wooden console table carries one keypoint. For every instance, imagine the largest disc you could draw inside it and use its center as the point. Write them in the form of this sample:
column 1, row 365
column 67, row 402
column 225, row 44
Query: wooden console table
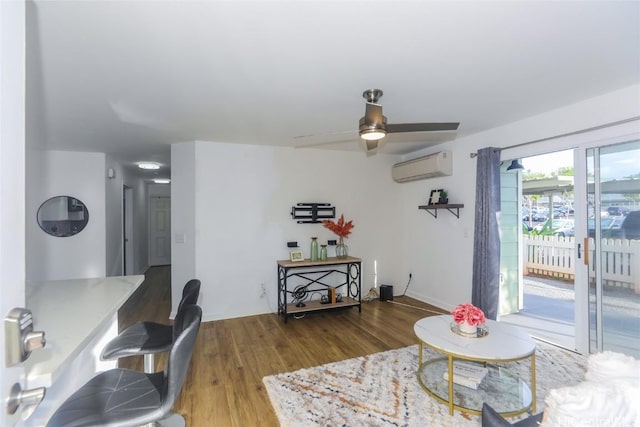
column 317, row 277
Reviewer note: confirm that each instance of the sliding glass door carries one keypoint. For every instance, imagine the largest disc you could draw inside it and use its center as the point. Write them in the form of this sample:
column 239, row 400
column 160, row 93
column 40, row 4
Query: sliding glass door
column 580, row 284
column 610, row 248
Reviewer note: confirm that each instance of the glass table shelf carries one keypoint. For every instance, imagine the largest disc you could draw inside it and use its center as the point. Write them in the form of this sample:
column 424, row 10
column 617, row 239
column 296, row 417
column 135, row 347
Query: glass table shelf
column 505, row 392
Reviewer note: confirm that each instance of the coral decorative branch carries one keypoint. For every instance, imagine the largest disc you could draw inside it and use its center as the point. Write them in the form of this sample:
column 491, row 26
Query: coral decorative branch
column 341, row 228
column 468, row 313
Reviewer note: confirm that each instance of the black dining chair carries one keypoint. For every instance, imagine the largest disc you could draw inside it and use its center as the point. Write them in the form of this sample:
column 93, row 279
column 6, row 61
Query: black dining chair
column 149, row 338
column 126, row 398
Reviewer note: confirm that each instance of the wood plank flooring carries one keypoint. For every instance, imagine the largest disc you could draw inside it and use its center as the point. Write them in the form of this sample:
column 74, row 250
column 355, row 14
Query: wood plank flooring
column 224, row 384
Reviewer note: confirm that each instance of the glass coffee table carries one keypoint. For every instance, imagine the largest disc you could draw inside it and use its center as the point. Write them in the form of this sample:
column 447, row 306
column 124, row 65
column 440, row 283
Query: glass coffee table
column 504, row 391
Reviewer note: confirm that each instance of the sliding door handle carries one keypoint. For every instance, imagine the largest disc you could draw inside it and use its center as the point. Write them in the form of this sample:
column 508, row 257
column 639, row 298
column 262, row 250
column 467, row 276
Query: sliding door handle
column 585, row 258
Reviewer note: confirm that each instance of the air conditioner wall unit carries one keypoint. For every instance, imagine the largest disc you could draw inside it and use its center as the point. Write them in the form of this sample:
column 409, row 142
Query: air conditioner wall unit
column 430, row 166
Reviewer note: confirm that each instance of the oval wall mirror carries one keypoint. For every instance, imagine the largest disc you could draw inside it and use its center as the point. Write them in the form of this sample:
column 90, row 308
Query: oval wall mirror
column 63, row 216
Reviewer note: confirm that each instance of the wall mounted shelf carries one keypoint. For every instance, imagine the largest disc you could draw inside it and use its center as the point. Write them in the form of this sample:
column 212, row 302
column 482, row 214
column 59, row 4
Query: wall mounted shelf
column 433, row 209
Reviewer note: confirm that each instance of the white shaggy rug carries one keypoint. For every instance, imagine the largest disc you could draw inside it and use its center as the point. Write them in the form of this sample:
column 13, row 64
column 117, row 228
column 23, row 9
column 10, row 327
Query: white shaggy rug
column 382, row 389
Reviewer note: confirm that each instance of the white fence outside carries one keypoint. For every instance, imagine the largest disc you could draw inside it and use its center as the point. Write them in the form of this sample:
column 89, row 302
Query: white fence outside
column 555, row 257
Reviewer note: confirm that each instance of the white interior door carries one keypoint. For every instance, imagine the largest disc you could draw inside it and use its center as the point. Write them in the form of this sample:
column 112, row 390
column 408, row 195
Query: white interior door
column 12, row 183
column 127, row 215
column 160, row 230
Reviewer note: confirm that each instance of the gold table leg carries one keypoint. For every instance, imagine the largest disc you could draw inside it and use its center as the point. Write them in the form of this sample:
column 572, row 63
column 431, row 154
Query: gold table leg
column 450, row 385
column 533, row 381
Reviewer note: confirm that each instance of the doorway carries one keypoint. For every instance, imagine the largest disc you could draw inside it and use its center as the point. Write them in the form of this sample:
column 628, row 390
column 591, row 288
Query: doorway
column 160, row 230
column 579, row 285
column 537, row 286
column 127, row 231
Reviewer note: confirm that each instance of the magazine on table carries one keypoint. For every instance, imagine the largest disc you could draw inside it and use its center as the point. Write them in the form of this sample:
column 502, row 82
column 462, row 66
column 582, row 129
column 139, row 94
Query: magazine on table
column 467, row 374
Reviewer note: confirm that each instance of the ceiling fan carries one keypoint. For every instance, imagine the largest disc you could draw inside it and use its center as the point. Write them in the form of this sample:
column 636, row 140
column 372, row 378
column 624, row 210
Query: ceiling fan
column 373, row 126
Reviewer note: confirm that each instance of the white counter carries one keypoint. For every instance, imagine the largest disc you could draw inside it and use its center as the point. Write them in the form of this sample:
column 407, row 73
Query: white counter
column 78, row 318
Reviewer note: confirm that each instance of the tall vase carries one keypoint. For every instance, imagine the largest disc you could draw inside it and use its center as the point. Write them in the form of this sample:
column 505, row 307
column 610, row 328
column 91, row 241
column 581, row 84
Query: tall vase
column 342, row 250
column 323, row 252
column 314, row 249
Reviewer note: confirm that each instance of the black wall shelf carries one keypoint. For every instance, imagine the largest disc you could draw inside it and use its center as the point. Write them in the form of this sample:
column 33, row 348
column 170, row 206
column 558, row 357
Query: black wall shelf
column 433, row 209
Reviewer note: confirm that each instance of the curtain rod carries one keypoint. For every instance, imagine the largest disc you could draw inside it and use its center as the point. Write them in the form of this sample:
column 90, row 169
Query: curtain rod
column 577, row 132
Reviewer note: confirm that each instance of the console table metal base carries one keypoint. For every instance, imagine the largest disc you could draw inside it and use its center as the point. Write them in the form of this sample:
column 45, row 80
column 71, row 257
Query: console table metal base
column 317, row 277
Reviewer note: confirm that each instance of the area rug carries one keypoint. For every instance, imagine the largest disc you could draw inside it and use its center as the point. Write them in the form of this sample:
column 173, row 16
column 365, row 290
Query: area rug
column 382, row 389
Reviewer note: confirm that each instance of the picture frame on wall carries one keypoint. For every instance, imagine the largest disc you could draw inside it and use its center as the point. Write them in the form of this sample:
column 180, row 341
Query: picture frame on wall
column 296, row 256
column 434, row 197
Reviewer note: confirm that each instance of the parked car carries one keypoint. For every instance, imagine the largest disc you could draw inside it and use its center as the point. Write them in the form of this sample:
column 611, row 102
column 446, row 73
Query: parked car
column 556, row 227
column 564, row 228
column 608, row 226
column 558, row 213
column 540, row 216
column 617, row 210
column 630, row 227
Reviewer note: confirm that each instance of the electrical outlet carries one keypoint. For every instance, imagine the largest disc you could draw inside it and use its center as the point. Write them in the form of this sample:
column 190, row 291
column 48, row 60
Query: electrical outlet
column 263, row 291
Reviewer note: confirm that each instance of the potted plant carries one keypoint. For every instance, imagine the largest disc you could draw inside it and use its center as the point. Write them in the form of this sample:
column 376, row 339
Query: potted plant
column 342, row 229
column 444, row 198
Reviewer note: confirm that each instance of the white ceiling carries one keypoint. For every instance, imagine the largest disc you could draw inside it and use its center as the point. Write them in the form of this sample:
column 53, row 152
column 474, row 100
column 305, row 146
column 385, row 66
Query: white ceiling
column 129, row 78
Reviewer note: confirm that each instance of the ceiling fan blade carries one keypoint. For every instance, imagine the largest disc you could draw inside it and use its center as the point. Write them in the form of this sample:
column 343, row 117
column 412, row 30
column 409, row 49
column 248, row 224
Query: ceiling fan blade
column 373, row 114
column 327, row 138
column 322, row 135
column 316, row 143
column 422, row 127
column 371, row 147
column 421, row 137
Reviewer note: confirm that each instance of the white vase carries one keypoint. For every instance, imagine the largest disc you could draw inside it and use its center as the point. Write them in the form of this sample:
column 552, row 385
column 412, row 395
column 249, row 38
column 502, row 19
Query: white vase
column 468, row 328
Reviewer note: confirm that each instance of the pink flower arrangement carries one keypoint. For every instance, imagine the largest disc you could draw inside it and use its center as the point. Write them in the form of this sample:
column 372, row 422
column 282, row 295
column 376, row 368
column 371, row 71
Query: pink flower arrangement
column 468, row 313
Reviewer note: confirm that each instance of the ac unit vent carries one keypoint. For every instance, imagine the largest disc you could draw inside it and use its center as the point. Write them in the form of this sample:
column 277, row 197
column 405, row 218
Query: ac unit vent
column 433, row 165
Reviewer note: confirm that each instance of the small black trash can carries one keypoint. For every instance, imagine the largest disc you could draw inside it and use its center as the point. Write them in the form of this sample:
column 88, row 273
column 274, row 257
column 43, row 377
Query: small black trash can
column 386, row 293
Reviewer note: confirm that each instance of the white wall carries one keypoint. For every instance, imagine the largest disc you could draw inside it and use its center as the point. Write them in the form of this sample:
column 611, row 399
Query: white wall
column 163, row 190
column 239, row 196
column 97, row 250
column 12, row 179
column 62, row 173
column 241, row 204
column 439, row 252
column 183, row 218
column 141, row 224
column 113, row 217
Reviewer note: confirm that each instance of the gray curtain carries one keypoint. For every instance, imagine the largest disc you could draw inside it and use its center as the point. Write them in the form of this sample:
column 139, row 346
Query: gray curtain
column 486, row 239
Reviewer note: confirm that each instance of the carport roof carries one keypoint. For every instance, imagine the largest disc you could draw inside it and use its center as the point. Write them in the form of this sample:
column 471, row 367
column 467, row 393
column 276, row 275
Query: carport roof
column 560, row 184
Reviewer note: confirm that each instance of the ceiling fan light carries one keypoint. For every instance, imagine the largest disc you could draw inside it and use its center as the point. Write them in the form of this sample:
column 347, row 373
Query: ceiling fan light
column 149, row 165
column 372, row 134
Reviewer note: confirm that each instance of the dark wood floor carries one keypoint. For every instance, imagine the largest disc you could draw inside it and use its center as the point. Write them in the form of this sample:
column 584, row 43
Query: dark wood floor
column 224, row 385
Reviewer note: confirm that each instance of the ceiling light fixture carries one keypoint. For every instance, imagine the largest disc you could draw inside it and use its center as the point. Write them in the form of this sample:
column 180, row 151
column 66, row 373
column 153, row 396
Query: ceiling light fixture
column 372, row 134
column 373, row 126
column 162, row 181
column 149, row 165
